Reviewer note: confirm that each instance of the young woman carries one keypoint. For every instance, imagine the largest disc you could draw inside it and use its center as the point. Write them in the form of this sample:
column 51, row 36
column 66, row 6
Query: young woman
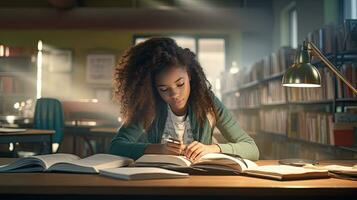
column 168, row 106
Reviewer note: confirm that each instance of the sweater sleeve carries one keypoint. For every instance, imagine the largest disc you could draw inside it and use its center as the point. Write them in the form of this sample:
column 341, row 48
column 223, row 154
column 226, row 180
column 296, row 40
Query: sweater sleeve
column 127, row 142
column 239, row 142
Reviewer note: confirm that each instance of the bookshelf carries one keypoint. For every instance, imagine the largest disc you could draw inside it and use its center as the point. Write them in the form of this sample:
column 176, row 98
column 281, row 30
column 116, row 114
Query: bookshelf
column 299, row 122
column 17, row 82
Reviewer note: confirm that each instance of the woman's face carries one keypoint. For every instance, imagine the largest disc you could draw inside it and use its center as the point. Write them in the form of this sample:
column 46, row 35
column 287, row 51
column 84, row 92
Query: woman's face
column 173, row 86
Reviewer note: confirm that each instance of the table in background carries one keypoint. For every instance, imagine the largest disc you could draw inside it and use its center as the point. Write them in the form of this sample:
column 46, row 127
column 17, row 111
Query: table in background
column 30, row 135
column 102, row 135
column 13, row 121
column 88, row 186
column 105, row 134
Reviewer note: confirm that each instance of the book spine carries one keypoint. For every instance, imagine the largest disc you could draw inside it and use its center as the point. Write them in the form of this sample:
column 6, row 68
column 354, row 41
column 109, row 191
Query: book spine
column 274, row 121
column 344, row 138
column 7, row 84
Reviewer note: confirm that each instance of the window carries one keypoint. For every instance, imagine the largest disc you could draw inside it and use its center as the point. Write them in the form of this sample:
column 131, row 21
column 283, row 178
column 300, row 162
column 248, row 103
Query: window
column 210, row 53
column 350, row 9
column 293, row 28
column 212, row 58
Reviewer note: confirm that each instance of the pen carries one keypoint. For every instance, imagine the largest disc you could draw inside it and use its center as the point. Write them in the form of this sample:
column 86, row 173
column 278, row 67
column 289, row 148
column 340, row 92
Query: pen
column 172, row 140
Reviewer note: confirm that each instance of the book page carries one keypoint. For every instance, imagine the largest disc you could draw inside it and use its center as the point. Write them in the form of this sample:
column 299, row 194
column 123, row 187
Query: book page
column 225, row 160
column 28, row 164
column 335, row 168
column 284, row 169
column 135, row 173
column 37, row 163
column 160, row 159
column 51, row 159
column 100, row 161
column 92, row 164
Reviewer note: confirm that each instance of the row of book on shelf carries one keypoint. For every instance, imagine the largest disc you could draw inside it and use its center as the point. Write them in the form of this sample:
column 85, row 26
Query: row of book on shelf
column 156, row 166
column 339, row 129
column 349, row 71
column 12, row 84
column 249, row 98
column 274, row 64
column 336, row 39
column 272, row 92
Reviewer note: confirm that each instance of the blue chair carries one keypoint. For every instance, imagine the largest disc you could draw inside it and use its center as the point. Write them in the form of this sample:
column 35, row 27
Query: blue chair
column 49, row 115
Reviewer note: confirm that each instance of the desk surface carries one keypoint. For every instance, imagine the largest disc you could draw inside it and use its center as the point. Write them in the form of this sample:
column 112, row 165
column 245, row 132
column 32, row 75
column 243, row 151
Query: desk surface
column 87, row 184
column 29, row 132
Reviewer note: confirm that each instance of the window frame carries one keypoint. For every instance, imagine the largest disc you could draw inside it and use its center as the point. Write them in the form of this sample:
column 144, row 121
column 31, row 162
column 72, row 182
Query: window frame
column 293, row 42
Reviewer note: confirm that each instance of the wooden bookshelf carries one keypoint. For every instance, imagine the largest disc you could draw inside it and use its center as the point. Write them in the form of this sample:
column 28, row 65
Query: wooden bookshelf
column 309, row 126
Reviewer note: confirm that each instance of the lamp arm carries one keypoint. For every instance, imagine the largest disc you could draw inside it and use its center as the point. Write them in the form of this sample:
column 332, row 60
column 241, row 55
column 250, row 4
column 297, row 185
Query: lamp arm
column 318, row 53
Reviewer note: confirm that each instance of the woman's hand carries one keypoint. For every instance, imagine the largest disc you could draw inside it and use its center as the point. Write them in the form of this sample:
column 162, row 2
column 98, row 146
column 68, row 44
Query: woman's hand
column 196, row 150
column 170, row 148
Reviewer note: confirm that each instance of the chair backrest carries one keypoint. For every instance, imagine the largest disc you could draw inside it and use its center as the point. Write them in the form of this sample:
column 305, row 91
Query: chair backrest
column 104, row 113
column 49, row 115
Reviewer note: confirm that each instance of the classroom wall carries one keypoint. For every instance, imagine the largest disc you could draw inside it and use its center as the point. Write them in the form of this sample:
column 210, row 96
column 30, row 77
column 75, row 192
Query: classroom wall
column 248, row 32
column 82, row 42
column 256, row 33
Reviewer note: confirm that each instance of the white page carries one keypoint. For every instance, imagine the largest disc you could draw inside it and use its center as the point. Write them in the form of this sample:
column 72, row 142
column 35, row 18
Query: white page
column 51, row 159
column 37, row 163
column 284, row 169
column 141, row 173
column 335, row 168
column 228, row 160
column 164, row 159
column 100, row 161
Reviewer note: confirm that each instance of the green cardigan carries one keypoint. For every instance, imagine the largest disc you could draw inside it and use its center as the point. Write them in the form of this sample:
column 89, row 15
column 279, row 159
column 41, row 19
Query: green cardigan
column 132, row 140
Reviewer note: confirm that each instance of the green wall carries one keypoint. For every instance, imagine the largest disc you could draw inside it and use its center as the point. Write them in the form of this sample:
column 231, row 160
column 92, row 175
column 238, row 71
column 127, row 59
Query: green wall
column 82, row 42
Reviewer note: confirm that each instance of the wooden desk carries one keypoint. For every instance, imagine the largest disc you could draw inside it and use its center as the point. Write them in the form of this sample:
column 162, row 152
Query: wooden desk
column 77, row 186
column 30, row 135
column 16, row 121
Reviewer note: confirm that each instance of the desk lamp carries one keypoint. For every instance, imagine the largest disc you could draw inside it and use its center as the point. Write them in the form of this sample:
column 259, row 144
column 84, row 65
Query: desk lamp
column 303, row 74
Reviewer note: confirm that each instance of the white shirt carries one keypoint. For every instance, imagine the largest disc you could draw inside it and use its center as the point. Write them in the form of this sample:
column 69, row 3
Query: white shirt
column 177, row 127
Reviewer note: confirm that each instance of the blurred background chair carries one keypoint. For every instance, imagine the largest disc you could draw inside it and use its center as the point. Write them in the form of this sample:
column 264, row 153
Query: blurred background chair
column 49, row 115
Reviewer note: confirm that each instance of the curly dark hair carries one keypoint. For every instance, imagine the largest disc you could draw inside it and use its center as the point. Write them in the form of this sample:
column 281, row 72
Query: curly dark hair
column 134, row 80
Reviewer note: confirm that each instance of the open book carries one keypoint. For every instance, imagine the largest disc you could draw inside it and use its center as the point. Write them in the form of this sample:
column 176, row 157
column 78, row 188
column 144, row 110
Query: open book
column 337, row 169
column 136, row 173
column 210, row 162
column 216, row 162
column 66, row 163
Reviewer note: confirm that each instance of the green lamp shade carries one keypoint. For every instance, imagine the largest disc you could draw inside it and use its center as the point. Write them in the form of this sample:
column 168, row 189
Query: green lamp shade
column 302, row 75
